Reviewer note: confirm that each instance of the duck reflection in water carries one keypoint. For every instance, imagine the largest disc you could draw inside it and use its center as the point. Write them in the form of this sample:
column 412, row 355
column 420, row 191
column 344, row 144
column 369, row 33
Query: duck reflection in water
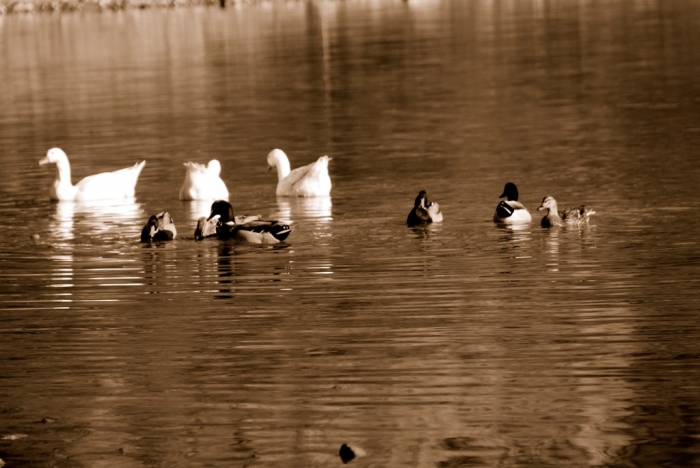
column 99, row 217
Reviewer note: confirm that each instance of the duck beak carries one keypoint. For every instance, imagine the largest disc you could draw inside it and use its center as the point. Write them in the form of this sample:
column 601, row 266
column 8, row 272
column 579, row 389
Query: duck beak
column 503, row 195
column 153, row 231
column 541, row 208
column 269, row 168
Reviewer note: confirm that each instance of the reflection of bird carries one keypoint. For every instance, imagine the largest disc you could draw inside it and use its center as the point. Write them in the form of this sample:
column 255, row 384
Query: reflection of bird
column 424, row 211
column 255, row 231
column 556, row 217
column 203, row 182
column 159, row 227
column 104, row 186
column 311, row 180
column 510, row 210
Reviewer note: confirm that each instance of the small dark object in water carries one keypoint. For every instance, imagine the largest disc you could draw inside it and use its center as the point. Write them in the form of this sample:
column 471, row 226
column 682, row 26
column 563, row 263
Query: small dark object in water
column 346, row 454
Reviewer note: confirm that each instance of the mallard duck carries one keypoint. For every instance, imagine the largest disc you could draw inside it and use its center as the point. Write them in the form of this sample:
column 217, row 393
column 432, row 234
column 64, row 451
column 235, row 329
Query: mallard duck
column 556, row 217
column 203, row 182
column 510, row 210
column 311, row 180
column 160, row 227
column 119, row 184
column 424, row 211
column 256, row 231
column 207, row 227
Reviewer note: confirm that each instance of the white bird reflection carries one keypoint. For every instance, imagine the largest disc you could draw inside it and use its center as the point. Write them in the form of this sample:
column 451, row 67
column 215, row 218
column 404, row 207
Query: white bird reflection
column 318, row 209
column 91, row 218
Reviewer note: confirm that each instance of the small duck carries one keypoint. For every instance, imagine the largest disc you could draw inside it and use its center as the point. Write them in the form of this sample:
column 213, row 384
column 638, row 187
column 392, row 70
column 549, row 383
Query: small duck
column 556, row 217
column 255, row 231
column 424, row 211
column 160, row 227
column 510, row 210
column 311, row 180
column 203, row 182
column 119, row 184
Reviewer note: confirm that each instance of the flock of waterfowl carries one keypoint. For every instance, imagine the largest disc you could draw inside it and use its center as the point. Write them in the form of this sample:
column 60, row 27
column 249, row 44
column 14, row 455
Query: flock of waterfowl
column 205, row 183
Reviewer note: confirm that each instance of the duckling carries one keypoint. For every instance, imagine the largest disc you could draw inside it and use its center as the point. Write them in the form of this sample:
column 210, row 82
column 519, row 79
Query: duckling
column 311, row 180
column 424, row 211
column 203, row 182
column 556, row 217
column 254, row 231
column 104, row 186
column 159, row 227
column 511, row 211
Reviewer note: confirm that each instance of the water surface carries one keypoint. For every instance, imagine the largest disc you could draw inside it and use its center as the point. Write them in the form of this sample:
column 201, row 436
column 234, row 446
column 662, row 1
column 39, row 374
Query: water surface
column 461, row 344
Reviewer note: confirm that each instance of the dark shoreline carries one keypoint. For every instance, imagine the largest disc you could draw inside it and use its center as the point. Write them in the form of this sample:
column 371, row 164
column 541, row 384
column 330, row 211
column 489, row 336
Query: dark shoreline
column 8, row 7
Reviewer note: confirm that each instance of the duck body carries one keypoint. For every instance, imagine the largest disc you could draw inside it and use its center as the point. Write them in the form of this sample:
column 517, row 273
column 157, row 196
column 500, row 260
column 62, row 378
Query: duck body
column 207, row 227
column 255, row 231
column 424, row 211
column 120, row 184
column 311, row 180
column 510, row 210
column 561, row 217
column 203, row 182
column 160, row 227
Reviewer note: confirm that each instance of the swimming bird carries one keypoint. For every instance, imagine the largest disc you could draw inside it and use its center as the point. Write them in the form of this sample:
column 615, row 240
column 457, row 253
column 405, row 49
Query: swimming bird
column 105, row 186
column 160, row 227
column 203, row 182
column 557, row 217
column 207, row 227
column 254, row 231
column 424, row 211
column 510, row 210
column 311, row 180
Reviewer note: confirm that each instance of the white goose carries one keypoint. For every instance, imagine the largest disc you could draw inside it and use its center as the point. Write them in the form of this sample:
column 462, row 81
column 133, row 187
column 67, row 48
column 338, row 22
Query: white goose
column 119, row 184
column 311, row 180
column 203, row 182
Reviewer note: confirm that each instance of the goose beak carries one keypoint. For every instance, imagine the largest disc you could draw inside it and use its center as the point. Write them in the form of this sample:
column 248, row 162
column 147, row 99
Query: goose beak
column 44, row 160
column 503, row 195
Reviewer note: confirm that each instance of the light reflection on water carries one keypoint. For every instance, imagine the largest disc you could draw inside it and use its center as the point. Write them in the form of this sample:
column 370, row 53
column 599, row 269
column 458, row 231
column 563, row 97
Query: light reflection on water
column 459, row 344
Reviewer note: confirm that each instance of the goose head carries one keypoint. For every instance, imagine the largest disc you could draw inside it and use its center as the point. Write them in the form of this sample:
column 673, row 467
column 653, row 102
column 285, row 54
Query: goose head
column 55, row 156
column 510, row 192
column 214, row 167
column 277, row 158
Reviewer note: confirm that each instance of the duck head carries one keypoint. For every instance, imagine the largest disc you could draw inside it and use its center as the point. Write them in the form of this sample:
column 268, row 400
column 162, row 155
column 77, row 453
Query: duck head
column 421, row 200
column 510, row 192
column 548, row 203
column 223, row 209
column 150, row 229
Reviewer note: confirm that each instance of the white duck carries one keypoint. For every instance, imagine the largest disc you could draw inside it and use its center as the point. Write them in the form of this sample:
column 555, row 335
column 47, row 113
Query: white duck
column 119, row 184
column 311, row 180
column 203, row 182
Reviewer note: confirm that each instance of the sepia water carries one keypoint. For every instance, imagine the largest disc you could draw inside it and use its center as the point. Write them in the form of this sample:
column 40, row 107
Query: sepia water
column 462, row 344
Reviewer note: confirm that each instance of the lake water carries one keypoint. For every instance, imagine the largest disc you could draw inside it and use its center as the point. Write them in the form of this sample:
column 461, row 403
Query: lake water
column 463, row 344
